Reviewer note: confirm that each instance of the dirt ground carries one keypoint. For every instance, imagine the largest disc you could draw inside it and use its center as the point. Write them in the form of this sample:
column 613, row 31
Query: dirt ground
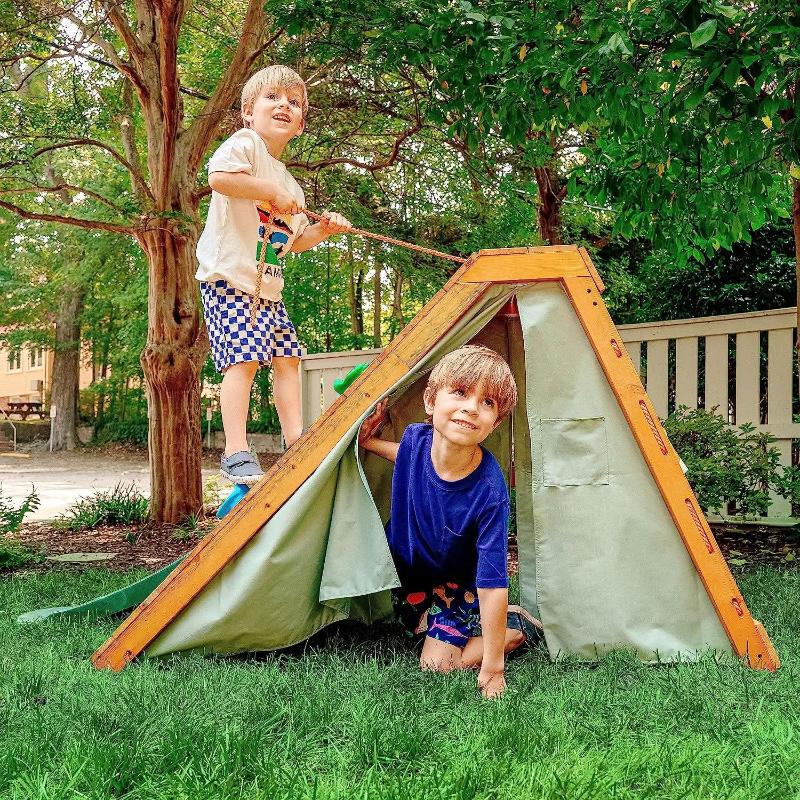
column 61, row 478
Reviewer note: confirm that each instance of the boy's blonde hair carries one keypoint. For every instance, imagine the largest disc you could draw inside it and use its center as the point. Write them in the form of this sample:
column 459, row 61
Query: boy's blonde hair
column 275, row 77
column 473, row 365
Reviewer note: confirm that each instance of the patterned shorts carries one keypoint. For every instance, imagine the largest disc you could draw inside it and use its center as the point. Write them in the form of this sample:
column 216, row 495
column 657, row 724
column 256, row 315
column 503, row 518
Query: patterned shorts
column 232, row 336
column 448, row 613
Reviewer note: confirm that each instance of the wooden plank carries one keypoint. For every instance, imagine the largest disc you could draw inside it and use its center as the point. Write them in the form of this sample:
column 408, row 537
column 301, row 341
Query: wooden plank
column 748, row 638
column 211, row 555
column 717, row 375
column 780, row 355
column 747, row 378
column 598, row 281
column 543, row 264
column 686, row 372
column 635, row 352
column 710, row 326
column 657, row 376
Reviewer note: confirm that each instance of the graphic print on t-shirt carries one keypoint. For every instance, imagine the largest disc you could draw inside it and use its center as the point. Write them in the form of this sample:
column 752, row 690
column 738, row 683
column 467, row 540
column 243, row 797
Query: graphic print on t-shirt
column 276, row 232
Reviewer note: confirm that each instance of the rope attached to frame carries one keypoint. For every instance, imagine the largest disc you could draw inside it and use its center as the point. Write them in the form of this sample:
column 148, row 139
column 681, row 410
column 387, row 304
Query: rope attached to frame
column 255, row 300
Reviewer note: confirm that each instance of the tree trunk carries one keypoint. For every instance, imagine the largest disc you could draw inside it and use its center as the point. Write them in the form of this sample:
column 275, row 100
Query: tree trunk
column 796, row 228
column 66, row 368
column 376, row 310
column 172, row 360
column 551, row 196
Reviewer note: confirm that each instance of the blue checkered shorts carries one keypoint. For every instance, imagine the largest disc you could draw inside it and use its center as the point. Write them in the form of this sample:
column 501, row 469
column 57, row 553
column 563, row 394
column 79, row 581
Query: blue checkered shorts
column 233, row 339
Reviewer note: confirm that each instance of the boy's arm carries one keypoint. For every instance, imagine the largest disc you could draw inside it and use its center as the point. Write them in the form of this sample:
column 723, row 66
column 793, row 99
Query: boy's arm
column 248, row 187
column 369, row 441
column 494, row 611
column 330, row 224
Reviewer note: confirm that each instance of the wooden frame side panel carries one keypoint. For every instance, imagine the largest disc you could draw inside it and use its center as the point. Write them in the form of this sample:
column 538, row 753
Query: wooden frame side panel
column 747, row 636
column 211, row 555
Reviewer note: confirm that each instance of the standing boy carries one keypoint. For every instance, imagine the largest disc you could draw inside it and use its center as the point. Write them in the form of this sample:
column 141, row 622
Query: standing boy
column 448, row 530
column 254, row 219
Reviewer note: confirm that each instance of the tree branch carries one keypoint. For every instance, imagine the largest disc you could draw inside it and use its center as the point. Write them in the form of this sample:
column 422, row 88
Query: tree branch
column 125, row 67
column 57, row 188
column 374, row 167
column 89, row 224
column 203, row 129
column 92, row 143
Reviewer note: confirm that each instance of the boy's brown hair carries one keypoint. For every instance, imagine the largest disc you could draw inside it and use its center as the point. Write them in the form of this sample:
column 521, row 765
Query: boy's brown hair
column 275, row 77
column 470, row 366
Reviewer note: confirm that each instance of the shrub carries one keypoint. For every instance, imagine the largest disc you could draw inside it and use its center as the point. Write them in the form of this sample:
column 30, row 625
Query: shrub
column 123, row 505
column 727, row 464
column 133, row 431
column 14, row 555
column 11, row 517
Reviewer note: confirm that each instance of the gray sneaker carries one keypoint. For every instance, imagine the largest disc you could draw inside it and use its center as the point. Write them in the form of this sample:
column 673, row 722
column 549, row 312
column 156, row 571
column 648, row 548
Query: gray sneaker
column 241, row 467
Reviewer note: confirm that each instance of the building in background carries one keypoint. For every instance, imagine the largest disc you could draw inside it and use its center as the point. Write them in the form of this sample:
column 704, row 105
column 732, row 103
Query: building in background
column 26, row 374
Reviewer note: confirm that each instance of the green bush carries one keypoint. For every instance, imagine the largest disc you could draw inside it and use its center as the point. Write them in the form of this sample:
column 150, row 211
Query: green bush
column 727, row 464
column 123, row 505
column 133, row 431
column 11, row 517
column 13, row 555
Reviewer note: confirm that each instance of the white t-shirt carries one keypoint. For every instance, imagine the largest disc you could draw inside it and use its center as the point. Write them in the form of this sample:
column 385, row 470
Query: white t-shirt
column 228, row 246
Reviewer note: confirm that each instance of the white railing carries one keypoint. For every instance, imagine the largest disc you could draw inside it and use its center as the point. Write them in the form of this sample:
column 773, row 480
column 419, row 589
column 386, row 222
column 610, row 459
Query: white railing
column 689, row 362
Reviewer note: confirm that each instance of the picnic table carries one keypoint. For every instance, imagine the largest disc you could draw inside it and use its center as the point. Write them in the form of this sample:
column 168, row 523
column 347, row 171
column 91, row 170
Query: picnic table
column 25, row 409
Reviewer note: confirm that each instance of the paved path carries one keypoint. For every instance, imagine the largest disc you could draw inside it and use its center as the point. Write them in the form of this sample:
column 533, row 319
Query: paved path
column 62, row 478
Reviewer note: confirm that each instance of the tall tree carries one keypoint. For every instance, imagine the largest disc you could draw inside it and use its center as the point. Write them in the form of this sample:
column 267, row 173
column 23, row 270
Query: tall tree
column 110, row 54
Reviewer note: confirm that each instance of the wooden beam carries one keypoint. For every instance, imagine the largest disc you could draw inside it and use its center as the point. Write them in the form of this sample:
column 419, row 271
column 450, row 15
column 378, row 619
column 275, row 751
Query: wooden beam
column 747, row 636
column 525, row 265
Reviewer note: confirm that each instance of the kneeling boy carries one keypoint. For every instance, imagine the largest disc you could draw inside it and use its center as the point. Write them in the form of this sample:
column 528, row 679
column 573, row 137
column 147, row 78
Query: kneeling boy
column 448, row 531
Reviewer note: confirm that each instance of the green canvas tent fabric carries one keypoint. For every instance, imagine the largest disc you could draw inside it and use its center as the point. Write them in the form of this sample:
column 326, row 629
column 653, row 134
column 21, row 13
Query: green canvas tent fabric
column 600, row 559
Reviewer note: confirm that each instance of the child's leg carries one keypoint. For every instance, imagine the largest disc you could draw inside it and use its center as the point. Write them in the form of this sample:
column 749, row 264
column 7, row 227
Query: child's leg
column 286, row 388
column 439, row 656
column 472, row 654
column 234, row 401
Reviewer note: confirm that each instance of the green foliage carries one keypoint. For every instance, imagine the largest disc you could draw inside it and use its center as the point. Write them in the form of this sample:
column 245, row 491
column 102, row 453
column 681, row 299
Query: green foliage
column 133, row 431
column 730, row 465
column 645, row 284
column 123, row 505
column 13, row 555
column 10, row 516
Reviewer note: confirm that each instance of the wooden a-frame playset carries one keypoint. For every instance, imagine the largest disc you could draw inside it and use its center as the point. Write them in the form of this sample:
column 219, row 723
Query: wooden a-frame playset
column 568, row 271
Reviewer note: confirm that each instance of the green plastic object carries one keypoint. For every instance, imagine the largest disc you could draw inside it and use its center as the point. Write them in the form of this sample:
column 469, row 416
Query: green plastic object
column 341, row 385
column 114, row 603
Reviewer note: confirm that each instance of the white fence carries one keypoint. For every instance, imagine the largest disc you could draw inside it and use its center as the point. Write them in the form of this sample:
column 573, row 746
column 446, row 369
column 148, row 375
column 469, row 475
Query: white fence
column 690, row 362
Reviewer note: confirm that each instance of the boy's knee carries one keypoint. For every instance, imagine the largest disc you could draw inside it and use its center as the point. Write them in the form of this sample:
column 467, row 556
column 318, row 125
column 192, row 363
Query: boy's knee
column 438, row 664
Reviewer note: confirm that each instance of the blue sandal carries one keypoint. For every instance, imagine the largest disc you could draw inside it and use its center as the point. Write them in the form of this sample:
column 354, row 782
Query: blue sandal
column 241, row 467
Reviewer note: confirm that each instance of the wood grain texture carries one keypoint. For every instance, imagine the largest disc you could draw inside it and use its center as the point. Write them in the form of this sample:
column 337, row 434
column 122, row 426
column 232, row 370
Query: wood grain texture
column 535, row 264
column 747, row 637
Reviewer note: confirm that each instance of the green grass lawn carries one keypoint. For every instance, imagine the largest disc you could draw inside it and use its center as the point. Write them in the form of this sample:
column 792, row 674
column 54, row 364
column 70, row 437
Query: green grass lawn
column 353, row 717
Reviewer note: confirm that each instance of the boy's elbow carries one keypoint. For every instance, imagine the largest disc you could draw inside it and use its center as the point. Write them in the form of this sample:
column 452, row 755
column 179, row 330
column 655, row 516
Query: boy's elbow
column 215, row 181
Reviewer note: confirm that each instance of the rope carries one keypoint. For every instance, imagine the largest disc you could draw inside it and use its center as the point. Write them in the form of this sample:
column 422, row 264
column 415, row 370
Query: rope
column 255, row 300
column 399, row 242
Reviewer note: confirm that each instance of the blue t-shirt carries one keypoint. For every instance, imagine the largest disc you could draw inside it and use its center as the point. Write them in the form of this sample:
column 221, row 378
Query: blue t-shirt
column 447, row 530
